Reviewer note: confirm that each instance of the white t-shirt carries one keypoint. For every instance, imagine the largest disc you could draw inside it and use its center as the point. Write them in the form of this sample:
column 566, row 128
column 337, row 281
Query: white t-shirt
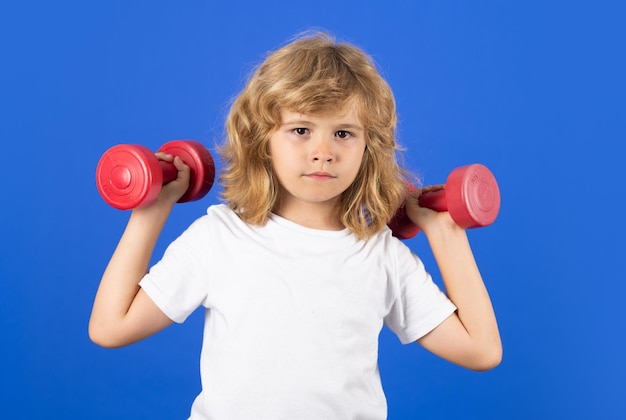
column 293, row 314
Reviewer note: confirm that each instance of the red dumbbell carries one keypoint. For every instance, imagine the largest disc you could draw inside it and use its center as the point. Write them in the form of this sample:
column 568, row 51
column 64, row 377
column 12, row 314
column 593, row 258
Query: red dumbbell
column 131, row 176
column 471, row 195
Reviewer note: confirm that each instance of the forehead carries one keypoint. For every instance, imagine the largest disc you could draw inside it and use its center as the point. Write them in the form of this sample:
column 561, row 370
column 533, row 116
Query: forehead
column 347, row 115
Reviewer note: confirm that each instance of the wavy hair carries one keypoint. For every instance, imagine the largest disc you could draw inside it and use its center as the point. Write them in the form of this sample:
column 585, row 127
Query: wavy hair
column 311, row 75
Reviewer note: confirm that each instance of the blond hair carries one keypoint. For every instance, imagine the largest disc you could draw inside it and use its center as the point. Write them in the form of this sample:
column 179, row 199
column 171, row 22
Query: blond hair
column 313, row 75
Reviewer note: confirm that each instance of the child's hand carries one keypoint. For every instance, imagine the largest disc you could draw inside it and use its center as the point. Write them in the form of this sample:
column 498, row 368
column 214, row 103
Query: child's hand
column 172, row 191
column 424, row 218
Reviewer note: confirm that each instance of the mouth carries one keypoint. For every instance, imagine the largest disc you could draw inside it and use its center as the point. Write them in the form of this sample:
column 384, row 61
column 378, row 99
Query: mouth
column 320, row 176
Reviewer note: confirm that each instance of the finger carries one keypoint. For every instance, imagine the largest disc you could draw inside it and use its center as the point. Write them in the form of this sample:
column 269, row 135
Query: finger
column 179, row 164
column 164, row 156
column 184, row 171
column 436, row 187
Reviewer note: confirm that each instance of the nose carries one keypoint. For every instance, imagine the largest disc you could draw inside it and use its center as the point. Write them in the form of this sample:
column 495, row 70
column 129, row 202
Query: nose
column 323, row 151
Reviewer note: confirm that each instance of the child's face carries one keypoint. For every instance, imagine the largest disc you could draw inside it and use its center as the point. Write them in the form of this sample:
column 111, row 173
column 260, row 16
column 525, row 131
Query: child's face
column 316, row 157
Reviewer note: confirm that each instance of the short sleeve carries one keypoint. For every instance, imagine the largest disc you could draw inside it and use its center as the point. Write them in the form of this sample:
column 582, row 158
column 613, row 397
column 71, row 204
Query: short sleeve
column 177, row 283
column 418, row 305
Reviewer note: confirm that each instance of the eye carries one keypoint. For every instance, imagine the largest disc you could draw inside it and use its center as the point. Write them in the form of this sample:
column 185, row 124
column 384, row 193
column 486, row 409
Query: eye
column 343, row 134
column 301, row 131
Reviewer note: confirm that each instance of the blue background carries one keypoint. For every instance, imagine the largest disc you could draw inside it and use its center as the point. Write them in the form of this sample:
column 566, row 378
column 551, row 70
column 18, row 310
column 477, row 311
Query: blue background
column 534, row 90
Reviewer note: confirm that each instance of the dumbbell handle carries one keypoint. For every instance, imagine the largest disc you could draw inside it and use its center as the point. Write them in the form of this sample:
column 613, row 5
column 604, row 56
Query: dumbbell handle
column 170, row 172
column 434, row 200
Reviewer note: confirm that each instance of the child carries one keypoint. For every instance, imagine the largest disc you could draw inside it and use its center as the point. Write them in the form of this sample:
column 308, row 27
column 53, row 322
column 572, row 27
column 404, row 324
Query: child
column 298, row 271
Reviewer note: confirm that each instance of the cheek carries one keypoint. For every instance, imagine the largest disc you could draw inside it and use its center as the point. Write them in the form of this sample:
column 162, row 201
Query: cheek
column 282, row 166
column 359, row 160
column 285, row 155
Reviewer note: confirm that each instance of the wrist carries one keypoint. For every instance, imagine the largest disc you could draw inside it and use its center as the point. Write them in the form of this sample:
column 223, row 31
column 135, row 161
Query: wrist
column 447, row 230
column 156, row 213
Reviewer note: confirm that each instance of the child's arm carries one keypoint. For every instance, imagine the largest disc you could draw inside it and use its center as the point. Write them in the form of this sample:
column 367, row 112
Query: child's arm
column 469, row 337
column 122, row 312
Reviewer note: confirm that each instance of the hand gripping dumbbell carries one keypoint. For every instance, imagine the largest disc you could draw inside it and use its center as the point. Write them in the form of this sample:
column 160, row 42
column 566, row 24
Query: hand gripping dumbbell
column 470, row 194
column 131, row 176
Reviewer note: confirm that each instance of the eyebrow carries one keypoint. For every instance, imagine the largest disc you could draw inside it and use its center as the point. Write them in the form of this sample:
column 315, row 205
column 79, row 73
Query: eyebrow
column 296, row 122
column 353, row 127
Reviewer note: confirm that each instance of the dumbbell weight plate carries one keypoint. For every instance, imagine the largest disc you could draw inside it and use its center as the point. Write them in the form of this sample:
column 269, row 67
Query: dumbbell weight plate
column 128, row 175
column 400, row 224
column 472, row 196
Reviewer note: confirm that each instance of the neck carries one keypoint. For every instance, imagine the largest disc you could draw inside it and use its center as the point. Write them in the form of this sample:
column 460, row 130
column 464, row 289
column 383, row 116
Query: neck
column 323, row 216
